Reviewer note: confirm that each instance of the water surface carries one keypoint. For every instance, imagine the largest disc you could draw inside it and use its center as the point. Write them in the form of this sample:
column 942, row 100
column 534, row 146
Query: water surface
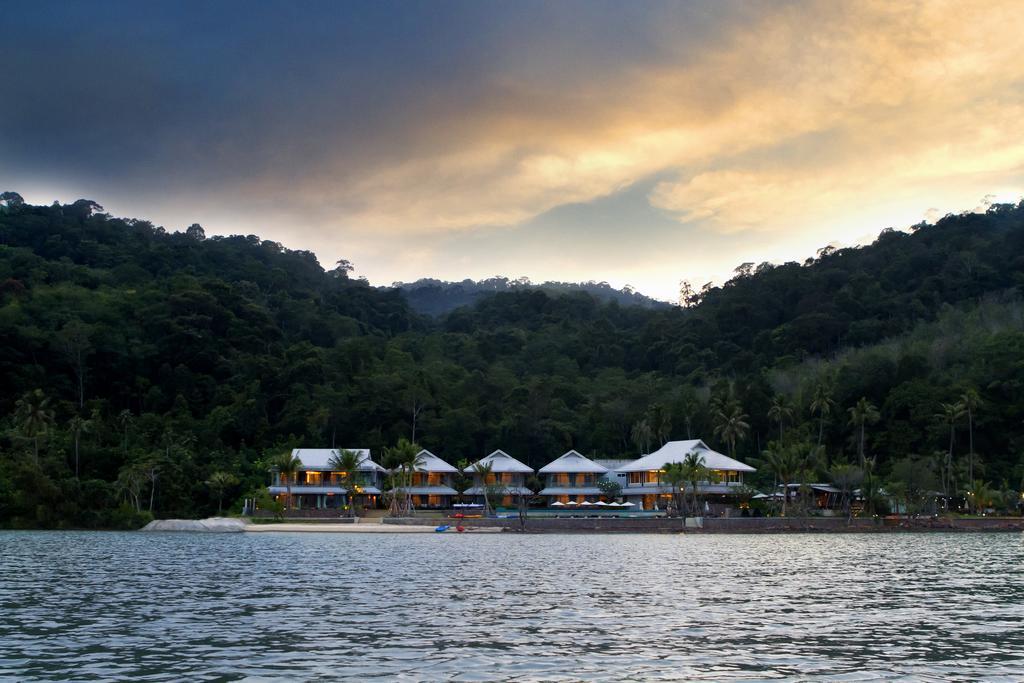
column 104, row 606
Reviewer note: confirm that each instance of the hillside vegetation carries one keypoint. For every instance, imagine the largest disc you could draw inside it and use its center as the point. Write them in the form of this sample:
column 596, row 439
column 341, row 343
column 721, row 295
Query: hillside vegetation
column 168, row 368
column 437, row 297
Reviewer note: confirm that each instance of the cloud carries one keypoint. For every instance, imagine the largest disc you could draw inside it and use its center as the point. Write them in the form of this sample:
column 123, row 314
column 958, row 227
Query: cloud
column 417, row 139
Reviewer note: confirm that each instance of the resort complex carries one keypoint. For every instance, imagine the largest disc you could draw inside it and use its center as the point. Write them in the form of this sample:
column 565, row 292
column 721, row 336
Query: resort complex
column 570, row 480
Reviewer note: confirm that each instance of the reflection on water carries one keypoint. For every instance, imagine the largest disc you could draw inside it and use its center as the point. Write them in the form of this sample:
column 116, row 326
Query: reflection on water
column 508, row 607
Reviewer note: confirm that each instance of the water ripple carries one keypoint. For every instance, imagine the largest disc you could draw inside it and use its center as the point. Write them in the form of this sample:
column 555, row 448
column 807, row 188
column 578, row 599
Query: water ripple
column 108, row 606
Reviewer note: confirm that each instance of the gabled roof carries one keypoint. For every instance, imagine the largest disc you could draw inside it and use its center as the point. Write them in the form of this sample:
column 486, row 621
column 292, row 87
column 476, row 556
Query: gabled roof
column 676, row 451
column 572, row 461
column 612, row 464
column 317, row 458
column 501, row 461
column 432, row 463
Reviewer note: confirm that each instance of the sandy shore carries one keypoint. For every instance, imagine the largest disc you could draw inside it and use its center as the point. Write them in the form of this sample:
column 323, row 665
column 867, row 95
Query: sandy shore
column 370, row 528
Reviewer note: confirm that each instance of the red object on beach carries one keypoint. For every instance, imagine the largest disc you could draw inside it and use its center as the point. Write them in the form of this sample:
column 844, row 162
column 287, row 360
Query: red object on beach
column 458, row 515
column 460, row 528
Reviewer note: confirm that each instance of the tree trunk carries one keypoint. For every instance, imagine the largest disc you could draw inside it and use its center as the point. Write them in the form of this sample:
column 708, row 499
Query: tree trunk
column 862, row 445
column 970, row 437
column 949, row 463
column 76, row 455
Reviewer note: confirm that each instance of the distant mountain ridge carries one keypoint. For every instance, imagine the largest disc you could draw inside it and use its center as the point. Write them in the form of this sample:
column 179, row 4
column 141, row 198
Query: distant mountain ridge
column 429, row 296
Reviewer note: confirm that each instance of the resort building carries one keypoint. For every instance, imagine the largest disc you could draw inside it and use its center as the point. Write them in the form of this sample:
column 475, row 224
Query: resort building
column 317, row 486
column 432, row 482
column 644, row 484
column 571, row 477
column 506, row 479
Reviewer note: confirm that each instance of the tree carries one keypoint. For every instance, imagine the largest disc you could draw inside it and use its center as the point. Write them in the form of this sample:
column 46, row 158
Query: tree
column 696, row 472
column 949, row 414
column 484, row 470
column 779, row 412
column 125, row 419
column 675, row 476
column 822, row 404
column 34, row 417
column 689, row 409
column 11, row 200
column 287, row 466
column 347, row 463
column 913, row 479
column 731, row 425
column 219, row 482
column 402, row 461
column 78, row 425
column 980, row 496
column 130, row 480
column 610, row 488
column 862, row 414
column 660, row 421
column 970, row 401
column 195, row 232
column 846, row 478
column 642, row 435
column 786, row 463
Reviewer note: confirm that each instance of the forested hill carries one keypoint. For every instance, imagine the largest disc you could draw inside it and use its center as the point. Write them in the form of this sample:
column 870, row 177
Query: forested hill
column 437, row 297
column 166, row 358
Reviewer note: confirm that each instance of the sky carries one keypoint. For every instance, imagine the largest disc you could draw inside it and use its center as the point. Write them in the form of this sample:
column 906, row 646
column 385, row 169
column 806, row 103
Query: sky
column 632, row 143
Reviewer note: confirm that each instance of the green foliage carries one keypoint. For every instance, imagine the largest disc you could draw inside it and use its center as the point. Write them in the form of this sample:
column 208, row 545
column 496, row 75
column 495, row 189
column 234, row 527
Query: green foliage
column 192, row 355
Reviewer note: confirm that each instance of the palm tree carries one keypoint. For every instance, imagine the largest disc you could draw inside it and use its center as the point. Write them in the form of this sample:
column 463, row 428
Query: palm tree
column 347, row 462
column 484, row 471
column 125, row 419
column 696, row 471
column 779, row 412
column 642, row 435
column 219, row 482
column 971, row 401
column 402, row 460
column 661, row 423
column 822, row 404
column 689, row 408
column 34, row 417
column 731, row 425
column 674, row 474
column 979, row 496
column 287, row 465
column 862, row 414
column 950, row 414
column 77, row 426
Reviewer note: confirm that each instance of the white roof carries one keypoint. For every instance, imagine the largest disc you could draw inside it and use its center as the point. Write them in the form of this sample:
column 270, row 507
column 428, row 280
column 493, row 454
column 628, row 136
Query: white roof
column 504, row 490
column 573, row 462
column 432, row 491
column 612, row 464
column 676, row 451
column 317, row 458
column 432, row 463
column 501, row 462
column 567, row 491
